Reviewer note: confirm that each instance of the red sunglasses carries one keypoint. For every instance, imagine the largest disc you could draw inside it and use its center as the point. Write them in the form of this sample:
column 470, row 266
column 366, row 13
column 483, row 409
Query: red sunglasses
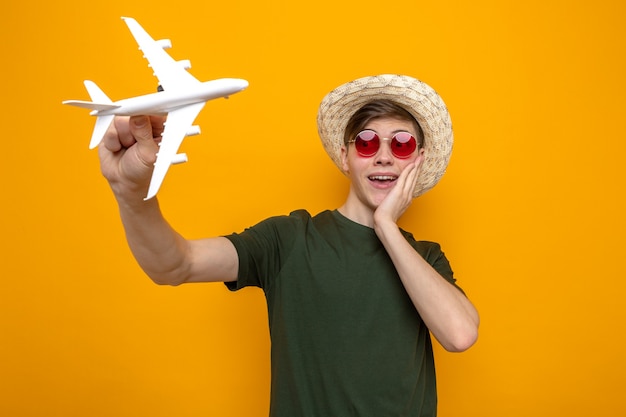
column 367, row 143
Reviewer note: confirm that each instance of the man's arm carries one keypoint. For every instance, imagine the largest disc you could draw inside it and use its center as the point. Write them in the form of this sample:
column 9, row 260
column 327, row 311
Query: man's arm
column 127, row 155
column 446, row 311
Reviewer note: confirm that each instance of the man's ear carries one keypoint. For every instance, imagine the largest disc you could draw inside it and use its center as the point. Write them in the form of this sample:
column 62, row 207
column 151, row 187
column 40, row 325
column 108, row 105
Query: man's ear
column 344, row 159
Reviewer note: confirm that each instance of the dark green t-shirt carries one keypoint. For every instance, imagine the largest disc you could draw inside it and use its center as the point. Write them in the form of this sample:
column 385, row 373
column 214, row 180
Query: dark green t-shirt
column 346, row 338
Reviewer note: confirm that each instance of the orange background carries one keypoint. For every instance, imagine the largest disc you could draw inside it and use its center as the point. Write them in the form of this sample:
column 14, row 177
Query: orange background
column 531, row 211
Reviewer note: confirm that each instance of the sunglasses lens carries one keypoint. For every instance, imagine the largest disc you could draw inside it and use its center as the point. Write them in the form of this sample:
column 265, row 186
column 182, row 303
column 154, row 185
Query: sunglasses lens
column 367, row 143
column 403, row 145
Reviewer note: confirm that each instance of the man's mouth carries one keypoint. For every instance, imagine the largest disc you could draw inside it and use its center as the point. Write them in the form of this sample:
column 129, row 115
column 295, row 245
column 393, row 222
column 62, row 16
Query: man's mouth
column 383, row 178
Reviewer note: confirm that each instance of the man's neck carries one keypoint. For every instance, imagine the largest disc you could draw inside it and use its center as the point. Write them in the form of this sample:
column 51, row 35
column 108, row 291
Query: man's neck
column 357, row 212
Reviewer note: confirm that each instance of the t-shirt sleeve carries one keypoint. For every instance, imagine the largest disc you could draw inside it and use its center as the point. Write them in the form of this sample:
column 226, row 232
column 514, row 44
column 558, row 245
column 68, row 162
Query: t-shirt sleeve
column 433, row 254
column 262, row 250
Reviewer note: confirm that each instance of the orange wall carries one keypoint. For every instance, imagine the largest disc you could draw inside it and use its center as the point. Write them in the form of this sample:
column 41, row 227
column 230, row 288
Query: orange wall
column 531, row 211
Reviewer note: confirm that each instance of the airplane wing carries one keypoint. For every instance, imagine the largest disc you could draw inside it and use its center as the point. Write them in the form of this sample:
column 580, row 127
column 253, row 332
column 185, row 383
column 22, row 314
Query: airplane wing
column 176, row 127
column 171, row 74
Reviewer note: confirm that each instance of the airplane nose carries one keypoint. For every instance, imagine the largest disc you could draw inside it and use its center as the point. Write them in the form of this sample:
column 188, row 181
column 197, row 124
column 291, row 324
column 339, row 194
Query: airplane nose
column 243, row 84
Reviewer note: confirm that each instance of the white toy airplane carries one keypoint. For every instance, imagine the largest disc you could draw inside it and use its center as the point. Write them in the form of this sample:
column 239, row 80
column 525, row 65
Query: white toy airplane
column 181, row 96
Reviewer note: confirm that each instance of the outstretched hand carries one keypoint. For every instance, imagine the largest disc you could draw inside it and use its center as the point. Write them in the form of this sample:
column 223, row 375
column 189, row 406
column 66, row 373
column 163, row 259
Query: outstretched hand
column 401, row 196
column 128, row 152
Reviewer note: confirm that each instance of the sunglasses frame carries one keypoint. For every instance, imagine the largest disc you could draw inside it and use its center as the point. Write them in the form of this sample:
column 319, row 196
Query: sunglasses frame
column 376, row 136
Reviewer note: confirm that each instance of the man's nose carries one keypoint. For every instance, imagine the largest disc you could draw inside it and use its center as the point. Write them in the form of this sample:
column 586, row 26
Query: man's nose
column 384, row 155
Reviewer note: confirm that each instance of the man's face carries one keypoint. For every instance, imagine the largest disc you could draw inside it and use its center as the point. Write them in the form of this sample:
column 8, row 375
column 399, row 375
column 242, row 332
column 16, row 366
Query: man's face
column 373, row 177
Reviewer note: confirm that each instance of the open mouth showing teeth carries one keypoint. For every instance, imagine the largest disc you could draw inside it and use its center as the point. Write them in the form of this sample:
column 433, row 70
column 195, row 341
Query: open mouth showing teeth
column 384, row 178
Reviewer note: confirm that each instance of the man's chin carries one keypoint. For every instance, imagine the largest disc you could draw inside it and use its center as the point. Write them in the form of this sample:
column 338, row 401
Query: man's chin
column 377, row 198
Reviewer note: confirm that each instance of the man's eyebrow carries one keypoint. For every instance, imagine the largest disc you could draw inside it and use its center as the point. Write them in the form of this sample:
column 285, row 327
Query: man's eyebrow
column 393, row 131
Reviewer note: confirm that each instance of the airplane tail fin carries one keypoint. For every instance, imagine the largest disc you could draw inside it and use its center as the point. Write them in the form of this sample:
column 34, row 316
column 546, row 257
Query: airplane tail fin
column 102, row 122
column 100, row 101
column 96, row 94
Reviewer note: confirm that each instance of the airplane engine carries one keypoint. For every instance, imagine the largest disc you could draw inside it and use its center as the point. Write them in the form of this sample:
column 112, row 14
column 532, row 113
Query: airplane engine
column 179, row 158
column 185, row 63
column 193, row 130
column 164, row 43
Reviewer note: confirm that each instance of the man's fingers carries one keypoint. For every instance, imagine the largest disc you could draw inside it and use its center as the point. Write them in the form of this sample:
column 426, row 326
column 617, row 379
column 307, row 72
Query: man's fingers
column 141, row 128
column 158, row 126
column 413, row 175
column 147, row 128
column 418, row 169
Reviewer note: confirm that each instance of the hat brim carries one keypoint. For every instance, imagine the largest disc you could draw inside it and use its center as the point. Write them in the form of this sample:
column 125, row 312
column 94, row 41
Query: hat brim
column 415, row 96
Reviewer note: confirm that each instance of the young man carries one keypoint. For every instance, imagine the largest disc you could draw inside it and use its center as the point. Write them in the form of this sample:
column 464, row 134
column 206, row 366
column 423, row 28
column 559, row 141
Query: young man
column 352, row 298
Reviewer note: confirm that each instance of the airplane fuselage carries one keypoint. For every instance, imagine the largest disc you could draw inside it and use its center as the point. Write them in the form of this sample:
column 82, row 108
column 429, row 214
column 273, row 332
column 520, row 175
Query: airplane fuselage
column 166, row 101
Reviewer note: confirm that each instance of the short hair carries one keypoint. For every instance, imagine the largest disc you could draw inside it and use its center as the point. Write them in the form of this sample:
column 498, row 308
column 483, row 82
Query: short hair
column 378, row 109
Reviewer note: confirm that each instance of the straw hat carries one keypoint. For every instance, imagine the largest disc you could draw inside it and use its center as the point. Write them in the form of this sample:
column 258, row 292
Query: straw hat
column 415, row 96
